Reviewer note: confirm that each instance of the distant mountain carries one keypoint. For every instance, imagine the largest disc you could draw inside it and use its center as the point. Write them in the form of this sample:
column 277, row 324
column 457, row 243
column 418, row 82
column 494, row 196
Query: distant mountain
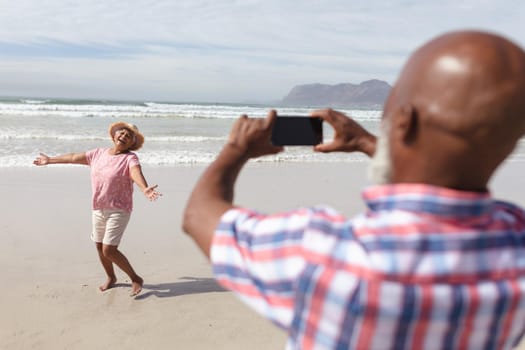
column 366, row 94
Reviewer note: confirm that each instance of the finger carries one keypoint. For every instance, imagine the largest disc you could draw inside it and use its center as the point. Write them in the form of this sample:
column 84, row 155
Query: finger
column 325, row 147
column 239, row 123
column 330, row 116
column 325, row 114
column 277, row 149
column 270, row 119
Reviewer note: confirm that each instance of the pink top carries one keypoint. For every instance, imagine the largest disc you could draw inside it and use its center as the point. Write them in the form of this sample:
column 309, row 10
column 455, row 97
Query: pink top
column 110, row 179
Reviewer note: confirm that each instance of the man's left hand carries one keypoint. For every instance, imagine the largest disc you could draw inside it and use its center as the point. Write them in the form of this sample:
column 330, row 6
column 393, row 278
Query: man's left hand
column 252, row 136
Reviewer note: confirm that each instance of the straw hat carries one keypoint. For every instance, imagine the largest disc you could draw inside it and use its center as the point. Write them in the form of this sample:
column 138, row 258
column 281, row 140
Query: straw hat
column 139, row 138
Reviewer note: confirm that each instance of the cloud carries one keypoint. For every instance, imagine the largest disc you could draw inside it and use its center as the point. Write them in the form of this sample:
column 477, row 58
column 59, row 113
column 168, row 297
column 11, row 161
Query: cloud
column 223, row 50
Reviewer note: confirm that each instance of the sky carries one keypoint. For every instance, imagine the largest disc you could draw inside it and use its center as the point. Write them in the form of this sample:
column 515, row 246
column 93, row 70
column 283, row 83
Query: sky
column 223, row 50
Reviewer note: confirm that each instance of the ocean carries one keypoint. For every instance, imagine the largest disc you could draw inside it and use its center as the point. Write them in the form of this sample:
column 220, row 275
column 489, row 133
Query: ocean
column 176, row 133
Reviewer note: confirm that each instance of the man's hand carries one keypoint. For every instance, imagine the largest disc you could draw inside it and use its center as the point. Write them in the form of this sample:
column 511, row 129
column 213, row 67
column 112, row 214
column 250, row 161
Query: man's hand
column 251, row 136
column 349, row 136
column 213, row 193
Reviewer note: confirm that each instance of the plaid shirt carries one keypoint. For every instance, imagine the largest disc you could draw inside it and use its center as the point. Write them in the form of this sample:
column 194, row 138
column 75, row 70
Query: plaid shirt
column 423, row 268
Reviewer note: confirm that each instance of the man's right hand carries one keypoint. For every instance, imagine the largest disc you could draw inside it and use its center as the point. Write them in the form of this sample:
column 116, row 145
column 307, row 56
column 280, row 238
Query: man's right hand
column 349, row 136
column 252, row 136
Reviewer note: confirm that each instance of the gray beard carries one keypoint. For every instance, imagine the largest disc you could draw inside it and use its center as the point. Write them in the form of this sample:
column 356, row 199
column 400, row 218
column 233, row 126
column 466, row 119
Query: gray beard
column 380, row 167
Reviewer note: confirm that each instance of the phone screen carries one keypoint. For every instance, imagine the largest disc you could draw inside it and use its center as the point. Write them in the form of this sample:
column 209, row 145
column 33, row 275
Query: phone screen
column 297, row 131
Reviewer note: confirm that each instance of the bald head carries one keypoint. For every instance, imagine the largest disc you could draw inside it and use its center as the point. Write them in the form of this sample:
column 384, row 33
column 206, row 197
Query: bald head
column 457, row 110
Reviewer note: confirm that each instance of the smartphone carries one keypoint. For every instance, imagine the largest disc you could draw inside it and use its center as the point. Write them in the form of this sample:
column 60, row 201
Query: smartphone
column 297, row 131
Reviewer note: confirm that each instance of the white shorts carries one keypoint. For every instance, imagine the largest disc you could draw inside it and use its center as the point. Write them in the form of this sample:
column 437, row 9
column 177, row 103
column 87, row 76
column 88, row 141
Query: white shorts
column 109, row 225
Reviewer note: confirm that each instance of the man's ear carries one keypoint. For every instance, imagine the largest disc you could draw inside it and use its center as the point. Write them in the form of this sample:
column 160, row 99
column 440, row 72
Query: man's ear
column 406, row 124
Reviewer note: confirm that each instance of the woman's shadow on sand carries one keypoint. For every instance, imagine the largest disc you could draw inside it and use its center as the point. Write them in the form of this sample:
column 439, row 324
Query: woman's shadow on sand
column 188, row 285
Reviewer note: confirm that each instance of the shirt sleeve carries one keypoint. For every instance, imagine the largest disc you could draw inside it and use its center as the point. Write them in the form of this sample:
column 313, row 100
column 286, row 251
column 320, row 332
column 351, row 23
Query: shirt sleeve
column 260, row 258
column 90, row 155
column 133, row 160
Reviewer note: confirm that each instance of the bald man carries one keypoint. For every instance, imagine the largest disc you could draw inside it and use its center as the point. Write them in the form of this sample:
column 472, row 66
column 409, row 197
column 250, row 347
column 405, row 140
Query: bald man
column 435, row 262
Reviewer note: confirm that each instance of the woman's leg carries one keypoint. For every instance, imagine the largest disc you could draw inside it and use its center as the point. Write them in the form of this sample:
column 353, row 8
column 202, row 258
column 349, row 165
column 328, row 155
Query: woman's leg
column 107, row 264
column 111, row 253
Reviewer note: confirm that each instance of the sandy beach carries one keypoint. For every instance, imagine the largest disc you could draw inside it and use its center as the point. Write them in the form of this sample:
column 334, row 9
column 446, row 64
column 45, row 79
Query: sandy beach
column 51, row 272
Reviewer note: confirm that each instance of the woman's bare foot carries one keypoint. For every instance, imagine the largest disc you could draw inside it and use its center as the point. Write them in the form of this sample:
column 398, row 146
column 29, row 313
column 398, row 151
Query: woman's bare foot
column 109, row 284
column 136, row 286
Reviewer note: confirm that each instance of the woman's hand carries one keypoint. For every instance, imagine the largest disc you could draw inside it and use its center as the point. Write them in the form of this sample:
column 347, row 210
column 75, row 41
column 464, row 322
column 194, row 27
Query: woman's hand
column 151, row 193
column 42, row 159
